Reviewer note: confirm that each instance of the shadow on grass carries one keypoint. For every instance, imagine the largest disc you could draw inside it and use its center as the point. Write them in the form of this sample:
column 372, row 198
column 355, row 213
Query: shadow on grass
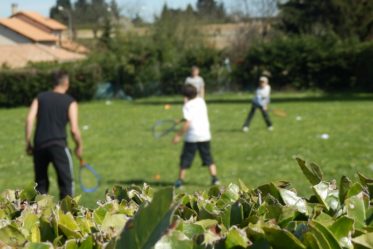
column 154, row 183
column 274, row 99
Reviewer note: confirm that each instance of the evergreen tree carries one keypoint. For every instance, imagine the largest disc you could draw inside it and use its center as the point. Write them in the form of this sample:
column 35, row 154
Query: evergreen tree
column 55, row 13
column 345, row 18
column 115, row 10
column 211, row 10
column 106, row 39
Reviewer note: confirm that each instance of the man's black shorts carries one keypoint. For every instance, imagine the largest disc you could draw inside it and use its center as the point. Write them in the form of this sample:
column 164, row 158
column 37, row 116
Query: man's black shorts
column 189, row 151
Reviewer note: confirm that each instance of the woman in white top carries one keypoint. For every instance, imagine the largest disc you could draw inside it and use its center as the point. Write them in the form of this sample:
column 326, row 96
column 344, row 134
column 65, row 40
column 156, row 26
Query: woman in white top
column 196, row 81
column 261, row 101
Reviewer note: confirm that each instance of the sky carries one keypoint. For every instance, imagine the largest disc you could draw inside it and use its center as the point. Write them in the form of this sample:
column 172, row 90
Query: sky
column 146, row 8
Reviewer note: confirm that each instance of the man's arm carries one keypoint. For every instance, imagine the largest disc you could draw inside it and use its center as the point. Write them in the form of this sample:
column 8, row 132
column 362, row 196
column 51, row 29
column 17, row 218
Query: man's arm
column 181, row 132
column 74, row 129
column 29, row 126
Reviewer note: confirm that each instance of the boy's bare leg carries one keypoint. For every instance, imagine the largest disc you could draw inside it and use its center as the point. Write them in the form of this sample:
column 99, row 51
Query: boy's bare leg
column 212, row 170
column 182, row 173
column 213, row 173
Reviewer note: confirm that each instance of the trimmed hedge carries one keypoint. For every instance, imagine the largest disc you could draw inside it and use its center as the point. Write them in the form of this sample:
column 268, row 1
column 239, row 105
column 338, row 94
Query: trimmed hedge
column 305, row 62
column 271, row 216
column 20, row 87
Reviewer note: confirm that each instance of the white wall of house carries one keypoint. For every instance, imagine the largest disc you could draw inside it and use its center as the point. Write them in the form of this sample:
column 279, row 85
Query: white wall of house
column 9, row 37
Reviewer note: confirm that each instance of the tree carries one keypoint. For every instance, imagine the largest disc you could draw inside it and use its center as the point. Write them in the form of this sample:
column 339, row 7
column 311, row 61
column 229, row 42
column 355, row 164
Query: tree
column 81, row 12
column 346, row 18
column 55, row 13
column 106, row 38
column 211, row 10
column 115, row 10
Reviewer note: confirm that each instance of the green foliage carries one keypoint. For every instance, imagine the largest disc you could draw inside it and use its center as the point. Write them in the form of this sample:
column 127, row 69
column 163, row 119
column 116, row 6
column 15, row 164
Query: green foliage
column 138, row 218
column 20, row 87
column 345, row 18
column 306, row 62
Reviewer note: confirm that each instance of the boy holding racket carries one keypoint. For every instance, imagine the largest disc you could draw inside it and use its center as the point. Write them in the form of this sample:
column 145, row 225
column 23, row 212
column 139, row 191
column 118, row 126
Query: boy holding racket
column 197, row 135
column 261, row 101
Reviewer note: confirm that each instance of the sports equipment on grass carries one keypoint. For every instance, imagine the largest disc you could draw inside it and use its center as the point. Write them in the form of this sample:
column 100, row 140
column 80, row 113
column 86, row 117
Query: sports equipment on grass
column 163, row 127
column 89, row 179
column 279, row 112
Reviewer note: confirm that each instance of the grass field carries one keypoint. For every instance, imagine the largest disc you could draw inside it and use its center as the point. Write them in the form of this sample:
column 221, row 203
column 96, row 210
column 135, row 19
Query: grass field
column 118, row 142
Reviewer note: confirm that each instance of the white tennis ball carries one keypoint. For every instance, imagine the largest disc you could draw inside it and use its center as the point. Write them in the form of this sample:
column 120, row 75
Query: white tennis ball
column 325, row 136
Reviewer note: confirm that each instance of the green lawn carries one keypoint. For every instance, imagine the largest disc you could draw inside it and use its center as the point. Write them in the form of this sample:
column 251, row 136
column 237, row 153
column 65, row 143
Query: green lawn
column 121, row 147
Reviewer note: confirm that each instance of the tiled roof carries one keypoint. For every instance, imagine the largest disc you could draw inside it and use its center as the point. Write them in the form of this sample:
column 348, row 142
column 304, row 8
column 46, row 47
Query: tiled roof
column 18, row 56
column 48, row 22
column 27, row 30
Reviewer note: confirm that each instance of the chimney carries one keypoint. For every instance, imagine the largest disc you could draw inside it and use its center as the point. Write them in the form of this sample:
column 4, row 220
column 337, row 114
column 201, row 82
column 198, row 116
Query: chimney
column 14, row 8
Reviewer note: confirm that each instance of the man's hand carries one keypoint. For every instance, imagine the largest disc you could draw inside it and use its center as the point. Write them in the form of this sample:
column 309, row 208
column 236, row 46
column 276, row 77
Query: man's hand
column 265, row 108
column 177, row 139
column 79, row 152
column 29, row 149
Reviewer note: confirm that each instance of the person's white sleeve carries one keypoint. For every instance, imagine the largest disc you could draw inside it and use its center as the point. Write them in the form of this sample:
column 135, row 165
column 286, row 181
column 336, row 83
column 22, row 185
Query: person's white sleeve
column 202, row 82
column 187, row 114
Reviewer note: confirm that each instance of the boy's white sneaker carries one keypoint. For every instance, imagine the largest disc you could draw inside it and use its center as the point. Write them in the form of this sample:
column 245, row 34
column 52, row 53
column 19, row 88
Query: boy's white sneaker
column 245, row 129
column 270, row 128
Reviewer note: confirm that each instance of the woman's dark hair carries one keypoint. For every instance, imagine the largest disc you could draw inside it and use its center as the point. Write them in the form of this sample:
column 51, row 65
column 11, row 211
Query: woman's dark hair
column 189, row 91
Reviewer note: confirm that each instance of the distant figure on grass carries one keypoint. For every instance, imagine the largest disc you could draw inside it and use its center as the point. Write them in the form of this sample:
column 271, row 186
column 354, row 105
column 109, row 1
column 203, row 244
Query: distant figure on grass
column 52, row 110
column 196, row 81
column 196, row 128
column 261, row 101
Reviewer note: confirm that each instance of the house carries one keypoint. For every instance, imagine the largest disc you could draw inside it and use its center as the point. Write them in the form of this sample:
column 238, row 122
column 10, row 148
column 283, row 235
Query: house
column 45, row 24
column 27, row 37
column 15, row 31
column 19, row 56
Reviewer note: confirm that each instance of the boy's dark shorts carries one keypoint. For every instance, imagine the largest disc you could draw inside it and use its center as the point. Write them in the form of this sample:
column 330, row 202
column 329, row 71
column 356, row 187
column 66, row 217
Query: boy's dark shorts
column 189, row 151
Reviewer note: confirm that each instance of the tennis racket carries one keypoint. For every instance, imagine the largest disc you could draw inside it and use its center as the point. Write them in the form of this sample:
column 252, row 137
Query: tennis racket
column 279, row 112
column 163, row 127
column 89, row 179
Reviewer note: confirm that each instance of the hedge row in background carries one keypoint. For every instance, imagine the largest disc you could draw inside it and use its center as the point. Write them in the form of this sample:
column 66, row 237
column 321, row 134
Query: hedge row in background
column 306, row 62
column 20, row 87
column 142, row 67
column 268, row 217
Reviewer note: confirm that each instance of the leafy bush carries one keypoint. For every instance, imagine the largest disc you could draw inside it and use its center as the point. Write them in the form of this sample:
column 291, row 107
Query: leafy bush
column 305, row 62
column 270, row 216
column 19, row 87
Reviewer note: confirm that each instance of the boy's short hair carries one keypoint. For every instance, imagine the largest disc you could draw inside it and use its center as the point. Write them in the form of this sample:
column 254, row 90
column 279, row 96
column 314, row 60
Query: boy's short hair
column 189, row 91
column 58, row 76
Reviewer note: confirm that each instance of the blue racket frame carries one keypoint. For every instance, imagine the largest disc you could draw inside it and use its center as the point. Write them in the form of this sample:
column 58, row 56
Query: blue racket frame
column 96, row 175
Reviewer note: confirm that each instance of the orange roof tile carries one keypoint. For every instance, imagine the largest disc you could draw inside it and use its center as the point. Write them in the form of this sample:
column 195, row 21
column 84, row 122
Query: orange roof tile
column 18, row 56
column 48, row 22
column 27, row 30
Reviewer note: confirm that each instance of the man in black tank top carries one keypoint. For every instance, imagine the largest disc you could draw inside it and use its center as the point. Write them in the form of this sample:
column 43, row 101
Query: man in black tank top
column 52, row 111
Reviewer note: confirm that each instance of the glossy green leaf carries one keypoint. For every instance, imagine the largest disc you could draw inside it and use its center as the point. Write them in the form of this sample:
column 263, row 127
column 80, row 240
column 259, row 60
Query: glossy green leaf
column 291, row 199
column 356, row 210
column 282, row 239
column 236, row 238
column 365, row 240
column 175, row 240
column 344, row 186
column 11, row 236
column 342, row 230
column 331, row 239
column 39, row 246
column 149, row 223
column 313, row 172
